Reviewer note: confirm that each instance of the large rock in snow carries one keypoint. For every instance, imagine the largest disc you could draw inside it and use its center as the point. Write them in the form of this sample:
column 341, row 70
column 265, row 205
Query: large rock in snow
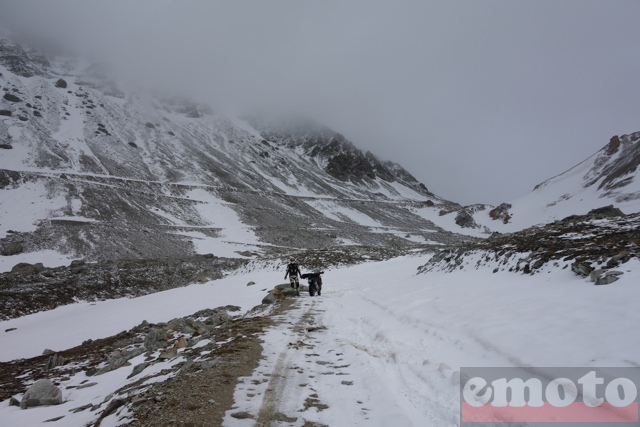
column 42, row 392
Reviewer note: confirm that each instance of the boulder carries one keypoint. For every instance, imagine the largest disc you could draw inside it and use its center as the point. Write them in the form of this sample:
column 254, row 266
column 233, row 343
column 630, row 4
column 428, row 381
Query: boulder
column 605, row 212
column 621, row 258
column 595, row 274
column 269, row 299
column 274, row 295
column 11, row 97
column 42, row 392
column 13, row 248
column 55, row 361
column 78, row 266
column 581, row 268
column 61, row 83
column 5, row 113
column 25, row 269
column 155, row 338
column 170, row 353
column 606, row 279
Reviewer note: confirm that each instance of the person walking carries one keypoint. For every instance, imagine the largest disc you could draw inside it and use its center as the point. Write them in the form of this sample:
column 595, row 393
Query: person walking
column 293, row 271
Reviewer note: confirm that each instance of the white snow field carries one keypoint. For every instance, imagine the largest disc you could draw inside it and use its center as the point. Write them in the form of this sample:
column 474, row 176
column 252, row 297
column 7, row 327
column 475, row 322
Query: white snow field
column 382, row 345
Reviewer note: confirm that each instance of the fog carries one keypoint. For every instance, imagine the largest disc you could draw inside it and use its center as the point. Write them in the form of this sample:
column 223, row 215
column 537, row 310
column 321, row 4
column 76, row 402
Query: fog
column 480, row 100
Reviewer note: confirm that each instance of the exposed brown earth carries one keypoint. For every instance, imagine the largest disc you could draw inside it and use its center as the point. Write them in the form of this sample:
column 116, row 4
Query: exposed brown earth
column 199, row 395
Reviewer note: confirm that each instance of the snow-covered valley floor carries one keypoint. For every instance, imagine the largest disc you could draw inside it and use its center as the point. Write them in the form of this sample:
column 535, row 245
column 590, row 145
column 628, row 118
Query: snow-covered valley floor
column 382, row 346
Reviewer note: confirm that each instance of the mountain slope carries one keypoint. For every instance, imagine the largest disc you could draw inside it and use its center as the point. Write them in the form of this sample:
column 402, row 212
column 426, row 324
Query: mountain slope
column 92, row 171
column 608, row 177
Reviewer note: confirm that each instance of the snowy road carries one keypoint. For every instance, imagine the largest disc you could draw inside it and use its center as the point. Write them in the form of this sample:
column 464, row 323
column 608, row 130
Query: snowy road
column 327, row 366
column 346, row 359
column 382, row 345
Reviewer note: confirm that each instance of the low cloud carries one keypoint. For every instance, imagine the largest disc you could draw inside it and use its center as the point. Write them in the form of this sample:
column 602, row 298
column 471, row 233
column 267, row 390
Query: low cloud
column 479, row 100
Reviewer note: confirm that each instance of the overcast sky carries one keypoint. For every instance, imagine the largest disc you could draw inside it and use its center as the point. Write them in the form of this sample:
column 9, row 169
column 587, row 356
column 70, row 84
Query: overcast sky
column 480, row 100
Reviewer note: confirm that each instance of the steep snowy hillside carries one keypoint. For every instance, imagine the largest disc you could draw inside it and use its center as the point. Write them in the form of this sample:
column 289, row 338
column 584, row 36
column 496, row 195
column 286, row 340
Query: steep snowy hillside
column 609, row 177
column 91, row 171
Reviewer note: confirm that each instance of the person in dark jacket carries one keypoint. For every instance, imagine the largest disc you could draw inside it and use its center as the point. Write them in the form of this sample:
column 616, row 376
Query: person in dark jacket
column 293, row 271
column 314, row 278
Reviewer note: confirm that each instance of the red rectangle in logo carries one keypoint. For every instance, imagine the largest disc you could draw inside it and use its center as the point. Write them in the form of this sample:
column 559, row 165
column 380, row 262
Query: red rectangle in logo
column 576, row 412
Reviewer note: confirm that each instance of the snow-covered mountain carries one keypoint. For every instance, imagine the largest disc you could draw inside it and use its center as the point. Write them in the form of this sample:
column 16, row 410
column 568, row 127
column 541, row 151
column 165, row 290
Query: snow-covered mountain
column 90, row 170
column 608, row 177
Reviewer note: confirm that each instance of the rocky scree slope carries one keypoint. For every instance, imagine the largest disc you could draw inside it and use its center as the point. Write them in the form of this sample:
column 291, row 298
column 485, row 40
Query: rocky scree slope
column 31, row 288
column 214, row 347
column 591, row 245
column 149, row 172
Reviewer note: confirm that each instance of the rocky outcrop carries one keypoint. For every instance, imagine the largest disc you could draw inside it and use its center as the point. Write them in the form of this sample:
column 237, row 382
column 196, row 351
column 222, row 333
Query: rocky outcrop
column 591, row 245
column 501, row 213
column 22, row 62
column 339, row 157
column 464, row 216
column 613, row 146
column 615, row 166
column 599, row 213
column 465, row 220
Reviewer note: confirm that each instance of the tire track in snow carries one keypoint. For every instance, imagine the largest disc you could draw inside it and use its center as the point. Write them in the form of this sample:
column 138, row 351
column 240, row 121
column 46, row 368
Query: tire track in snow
column 445, row 335
column 279, row 379
column 415, row 391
